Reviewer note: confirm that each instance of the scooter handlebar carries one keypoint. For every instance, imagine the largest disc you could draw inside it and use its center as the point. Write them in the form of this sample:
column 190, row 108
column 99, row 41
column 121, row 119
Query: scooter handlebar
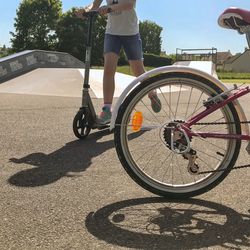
column 92, row 13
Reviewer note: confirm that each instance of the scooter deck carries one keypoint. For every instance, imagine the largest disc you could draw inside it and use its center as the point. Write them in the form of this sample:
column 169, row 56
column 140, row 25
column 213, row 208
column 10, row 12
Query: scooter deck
column 104, row 126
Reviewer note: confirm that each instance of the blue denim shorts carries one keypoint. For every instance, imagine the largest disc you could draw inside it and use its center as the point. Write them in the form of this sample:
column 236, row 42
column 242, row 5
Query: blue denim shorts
column 132, row 45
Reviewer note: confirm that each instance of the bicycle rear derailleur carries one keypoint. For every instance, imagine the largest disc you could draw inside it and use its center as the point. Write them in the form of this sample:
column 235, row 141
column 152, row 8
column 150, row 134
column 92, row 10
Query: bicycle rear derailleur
column 178, row 141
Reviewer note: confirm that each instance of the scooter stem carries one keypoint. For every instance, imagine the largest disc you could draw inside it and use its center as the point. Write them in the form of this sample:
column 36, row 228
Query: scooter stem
column 91, row 16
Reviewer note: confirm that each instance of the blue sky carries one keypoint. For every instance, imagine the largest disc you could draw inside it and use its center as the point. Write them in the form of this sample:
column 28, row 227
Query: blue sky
column 186, row 23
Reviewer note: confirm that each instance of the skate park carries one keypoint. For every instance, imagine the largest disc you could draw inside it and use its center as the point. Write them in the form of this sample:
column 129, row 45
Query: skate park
column 59, row 192
column 60, row 81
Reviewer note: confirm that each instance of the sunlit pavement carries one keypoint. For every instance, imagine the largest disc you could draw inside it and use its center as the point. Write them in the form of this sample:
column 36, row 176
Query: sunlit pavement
column 61, row 193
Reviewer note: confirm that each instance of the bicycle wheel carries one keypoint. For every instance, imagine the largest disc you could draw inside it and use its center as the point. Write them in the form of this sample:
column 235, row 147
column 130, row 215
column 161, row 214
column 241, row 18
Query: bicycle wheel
column 146, row 154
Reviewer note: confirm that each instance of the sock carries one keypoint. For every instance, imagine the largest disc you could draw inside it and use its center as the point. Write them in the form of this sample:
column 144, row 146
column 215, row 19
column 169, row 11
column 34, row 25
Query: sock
column 107, row 105
column 152, row 93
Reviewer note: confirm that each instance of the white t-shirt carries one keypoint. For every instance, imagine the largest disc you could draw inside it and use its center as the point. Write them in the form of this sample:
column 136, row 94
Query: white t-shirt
column 123, row 23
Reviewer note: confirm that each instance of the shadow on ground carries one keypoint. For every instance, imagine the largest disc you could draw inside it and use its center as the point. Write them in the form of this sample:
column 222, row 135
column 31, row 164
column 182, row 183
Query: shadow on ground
column 156, row 223
column 75, row 156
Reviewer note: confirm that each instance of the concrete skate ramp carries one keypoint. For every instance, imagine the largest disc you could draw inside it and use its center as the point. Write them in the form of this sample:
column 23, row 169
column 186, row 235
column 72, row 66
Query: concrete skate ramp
column 61, row 82
column 65, row 82
column 206, row 66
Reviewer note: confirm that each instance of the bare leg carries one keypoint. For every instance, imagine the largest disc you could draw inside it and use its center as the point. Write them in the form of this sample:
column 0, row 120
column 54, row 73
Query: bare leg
column 138, row 69
column 110, row 64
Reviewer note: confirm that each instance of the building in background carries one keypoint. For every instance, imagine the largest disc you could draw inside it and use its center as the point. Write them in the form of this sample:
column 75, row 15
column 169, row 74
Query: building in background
column 239, row 63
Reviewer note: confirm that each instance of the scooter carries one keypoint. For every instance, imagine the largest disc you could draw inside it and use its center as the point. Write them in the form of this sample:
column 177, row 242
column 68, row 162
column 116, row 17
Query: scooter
column 86, row 118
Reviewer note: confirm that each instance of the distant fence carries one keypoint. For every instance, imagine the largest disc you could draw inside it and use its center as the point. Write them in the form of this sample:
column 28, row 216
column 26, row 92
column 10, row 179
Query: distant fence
column 23, row 62
column 196, row 55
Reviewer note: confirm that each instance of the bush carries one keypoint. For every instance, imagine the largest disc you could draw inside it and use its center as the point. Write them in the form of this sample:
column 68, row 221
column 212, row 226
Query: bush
column 150, row 60
column 156, row 61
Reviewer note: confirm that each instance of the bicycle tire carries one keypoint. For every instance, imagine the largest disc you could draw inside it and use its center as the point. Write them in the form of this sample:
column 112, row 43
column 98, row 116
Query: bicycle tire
column 125, row 154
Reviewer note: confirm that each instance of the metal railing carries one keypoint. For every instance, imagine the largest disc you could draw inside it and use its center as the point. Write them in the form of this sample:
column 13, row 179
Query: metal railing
column 197, row 55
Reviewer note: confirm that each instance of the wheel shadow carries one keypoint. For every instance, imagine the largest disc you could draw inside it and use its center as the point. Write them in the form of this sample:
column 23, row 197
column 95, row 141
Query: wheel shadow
column 156, row 223
column 75, row 157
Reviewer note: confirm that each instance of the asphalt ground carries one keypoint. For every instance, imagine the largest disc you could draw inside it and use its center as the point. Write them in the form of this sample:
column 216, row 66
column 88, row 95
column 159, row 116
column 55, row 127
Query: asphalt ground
column 61, row 193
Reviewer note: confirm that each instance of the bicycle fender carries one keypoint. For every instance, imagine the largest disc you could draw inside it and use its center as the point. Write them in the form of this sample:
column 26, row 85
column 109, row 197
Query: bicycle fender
column 175, row 69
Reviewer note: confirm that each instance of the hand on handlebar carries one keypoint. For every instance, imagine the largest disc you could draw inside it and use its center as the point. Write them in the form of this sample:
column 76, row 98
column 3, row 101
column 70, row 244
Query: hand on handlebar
column 80, row 12
column 104, row 10
column 83, row 13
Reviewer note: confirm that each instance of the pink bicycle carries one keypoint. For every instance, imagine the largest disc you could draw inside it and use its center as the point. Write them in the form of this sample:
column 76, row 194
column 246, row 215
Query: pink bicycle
column 192, row 144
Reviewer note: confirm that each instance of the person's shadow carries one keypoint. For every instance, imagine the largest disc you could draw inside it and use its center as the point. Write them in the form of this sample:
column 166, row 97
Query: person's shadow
column 74, row 157
column 158, row 223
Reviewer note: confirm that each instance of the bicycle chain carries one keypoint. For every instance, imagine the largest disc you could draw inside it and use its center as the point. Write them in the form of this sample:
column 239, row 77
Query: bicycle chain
column 221, row 170
column 219, row 123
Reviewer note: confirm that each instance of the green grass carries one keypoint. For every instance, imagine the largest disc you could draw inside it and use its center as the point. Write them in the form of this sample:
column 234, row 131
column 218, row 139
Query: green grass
column 236, row 81
column 230, row 77
column 124, row 69
column 127, row 70
column 226, row 77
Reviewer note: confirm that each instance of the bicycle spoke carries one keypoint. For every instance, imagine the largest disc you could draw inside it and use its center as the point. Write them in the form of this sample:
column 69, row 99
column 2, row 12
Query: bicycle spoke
column 205, row 162
column 188, row 102
column 177, row 105
column 210, row 143
column 167, row 168
column 145, row 153
column 209, row 155
column 180, row 170
column 148, row 162
column 150, row 111
column 159, row 168
column 168, row 105
column 196, row 107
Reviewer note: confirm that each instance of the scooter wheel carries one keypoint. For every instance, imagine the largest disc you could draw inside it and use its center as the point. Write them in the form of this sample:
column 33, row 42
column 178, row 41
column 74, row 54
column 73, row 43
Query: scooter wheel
column 81, row 126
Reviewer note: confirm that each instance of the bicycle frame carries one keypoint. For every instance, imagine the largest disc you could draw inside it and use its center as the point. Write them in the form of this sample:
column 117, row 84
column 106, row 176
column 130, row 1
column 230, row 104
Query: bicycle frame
column 240, row 92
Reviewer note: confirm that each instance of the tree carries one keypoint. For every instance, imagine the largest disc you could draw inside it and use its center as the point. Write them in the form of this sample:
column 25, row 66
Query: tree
column 98, row 40
column 151, row 37
column 35, row 25
column 4, row 51
column 72, row 34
